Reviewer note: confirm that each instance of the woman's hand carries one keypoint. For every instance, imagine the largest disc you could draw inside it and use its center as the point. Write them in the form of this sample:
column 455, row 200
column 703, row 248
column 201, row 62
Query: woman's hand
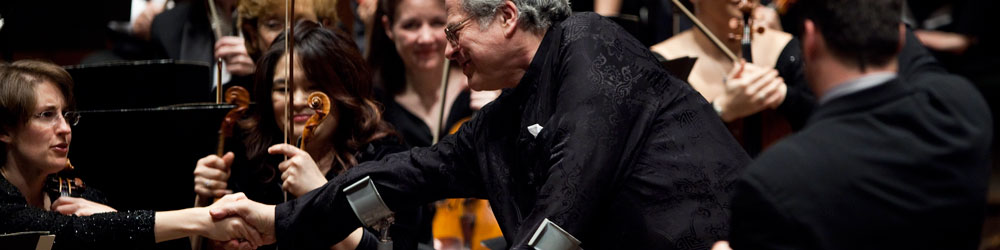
column 211, row 176
column 750, row 89
column 299, row 174
column 238, row 233
column 233, row 51
column 721, row 245
column 79, row 207
column 260, row 216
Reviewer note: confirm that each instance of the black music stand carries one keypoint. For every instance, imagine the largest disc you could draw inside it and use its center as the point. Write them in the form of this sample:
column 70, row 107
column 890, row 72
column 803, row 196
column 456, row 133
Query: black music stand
column 30, row 240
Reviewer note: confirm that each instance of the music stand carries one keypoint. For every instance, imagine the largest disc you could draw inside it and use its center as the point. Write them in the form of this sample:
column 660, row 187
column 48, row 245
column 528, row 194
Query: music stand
column 139, row 138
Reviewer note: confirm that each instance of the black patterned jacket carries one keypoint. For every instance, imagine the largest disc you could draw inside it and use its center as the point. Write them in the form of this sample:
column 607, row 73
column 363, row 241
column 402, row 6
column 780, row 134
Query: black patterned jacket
column 628, row 157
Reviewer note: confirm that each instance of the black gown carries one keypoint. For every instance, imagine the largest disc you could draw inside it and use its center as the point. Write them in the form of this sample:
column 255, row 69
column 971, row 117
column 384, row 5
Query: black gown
column 119, row 230
column 415, row 133
column 629, row 157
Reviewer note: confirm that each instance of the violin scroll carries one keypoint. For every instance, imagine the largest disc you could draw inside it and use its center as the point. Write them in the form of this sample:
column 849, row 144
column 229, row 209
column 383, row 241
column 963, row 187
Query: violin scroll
column 240, row 97
column 320, row 104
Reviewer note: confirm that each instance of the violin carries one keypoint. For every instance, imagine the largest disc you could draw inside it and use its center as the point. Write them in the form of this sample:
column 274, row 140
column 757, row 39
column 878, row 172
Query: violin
column 65, row 183
column 240, row 97
column 757, row 131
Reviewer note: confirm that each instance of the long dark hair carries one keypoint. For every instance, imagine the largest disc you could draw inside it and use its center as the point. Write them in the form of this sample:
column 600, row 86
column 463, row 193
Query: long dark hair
column 331, row 60
column 383, row 58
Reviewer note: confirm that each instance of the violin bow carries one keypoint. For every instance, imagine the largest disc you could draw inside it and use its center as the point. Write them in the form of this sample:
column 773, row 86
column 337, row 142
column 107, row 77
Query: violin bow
column 701, row 26
column 216, row 26
column 289, row 76
column 444, row 100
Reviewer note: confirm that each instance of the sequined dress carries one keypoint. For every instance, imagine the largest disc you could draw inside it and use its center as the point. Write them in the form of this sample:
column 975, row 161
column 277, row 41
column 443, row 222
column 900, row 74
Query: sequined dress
column 119, row 230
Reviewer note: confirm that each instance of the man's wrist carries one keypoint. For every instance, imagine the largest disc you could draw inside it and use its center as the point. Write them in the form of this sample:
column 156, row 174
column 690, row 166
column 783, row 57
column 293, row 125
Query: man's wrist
column 717, row 106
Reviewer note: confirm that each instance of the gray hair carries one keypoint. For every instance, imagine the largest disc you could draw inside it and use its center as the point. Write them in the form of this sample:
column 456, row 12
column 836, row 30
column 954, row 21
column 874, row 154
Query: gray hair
column 536, row 15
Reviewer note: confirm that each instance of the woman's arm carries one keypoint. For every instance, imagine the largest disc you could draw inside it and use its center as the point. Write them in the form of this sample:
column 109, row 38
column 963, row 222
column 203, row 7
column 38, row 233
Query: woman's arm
column 177, row 224
column 168, row 225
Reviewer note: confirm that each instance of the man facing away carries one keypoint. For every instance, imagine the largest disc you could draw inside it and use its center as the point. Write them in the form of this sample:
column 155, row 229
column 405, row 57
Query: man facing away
column 884, row 162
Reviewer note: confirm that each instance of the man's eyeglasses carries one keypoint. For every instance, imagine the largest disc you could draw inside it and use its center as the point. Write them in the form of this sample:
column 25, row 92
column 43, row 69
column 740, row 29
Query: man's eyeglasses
column 451, row 32
column 50, row 117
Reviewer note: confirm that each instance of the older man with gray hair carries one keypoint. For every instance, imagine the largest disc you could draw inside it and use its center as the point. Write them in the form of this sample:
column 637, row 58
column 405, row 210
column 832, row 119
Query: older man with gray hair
column 591, row 133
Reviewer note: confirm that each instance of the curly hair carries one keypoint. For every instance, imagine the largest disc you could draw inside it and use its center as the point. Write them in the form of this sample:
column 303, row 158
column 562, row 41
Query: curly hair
column 536, row 15
column 250, row 12
column 331, row 60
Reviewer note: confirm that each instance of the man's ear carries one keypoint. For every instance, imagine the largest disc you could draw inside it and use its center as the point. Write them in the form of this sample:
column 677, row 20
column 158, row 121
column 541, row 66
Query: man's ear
column 508, row 18
column 387, row 27
column 809, row 40
column 902, row 38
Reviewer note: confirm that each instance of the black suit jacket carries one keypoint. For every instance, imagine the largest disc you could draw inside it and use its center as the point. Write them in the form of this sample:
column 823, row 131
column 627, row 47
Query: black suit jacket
column 897, row 166
column 184, row 33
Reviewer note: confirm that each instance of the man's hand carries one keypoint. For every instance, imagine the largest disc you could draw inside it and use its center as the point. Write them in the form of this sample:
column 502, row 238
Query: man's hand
column 299, row 174
column 233, row 52
column 258, row 215
column 211, row 176
column 79, row 207
column 240, row 233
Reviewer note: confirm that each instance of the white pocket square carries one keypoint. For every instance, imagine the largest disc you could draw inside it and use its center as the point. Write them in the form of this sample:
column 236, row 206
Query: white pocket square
column 535, row 129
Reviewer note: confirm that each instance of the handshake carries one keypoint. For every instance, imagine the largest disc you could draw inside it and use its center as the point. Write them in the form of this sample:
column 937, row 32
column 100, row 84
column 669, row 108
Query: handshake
column 239, row 222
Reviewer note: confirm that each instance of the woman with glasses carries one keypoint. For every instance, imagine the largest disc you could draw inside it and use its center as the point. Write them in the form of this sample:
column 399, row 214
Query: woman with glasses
column 35, row 99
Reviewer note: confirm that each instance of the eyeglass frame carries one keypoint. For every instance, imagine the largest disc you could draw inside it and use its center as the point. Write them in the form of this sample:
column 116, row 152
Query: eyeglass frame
column 70, row 117
column 451, row 31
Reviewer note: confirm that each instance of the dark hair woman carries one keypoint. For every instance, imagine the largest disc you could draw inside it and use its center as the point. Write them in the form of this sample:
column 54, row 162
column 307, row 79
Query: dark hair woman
column 326, row 61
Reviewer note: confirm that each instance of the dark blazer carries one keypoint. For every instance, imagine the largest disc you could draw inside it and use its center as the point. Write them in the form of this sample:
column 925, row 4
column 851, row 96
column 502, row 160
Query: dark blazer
column 897, row 166
column 184, row 33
